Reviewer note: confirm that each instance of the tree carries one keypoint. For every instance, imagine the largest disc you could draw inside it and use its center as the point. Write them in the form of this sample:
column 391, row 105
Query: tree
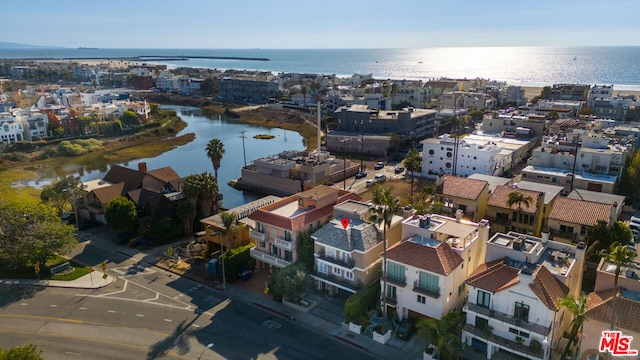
column 630, row 179
column 413, row 162
column 31, row 233
column 441, row 334
column 577, row 308
column 129, row 118
column 304, row 248
column 385, row 205
column 289, row 282
column 396, row 141
column 186, row 214
column 476, row 115
column 208, row 86
column 121, row 213
column 304, row 94
column 518, row 199
column 61, row 193
column 621, row 256
column 202, row 191
column 28, row 352
column 215, row 151
column 601, row 236
column 228, row 221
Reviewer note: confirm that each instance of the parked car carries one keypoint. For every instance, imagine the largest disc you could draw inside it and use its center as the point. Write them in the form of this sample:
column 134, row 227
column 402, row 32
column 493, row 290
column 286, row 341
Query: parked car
column 370, row 182
column 379, row 165
column 361, row 174
column 398, row 169
column 405, row 329
column 68, row 218
column 380, row 178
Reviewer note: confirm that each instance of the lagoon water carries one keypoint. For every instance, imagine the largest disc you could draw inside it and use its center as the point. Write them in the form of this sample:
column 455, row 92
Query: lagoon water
column 192, row 159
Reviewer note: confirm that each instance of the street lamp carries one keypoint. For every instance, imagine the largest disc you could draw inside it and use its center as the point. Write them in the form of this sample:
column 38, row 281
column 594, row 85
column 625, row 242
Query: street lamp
column 344, row 164
column 202, row 353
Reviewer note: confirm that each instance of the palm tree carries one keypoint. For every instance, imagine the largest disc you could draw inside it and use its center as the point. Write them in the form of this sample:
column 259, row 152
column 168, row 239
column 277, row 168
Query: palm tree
column 208, row 194
column 385, row 205
column 228, row 221
column 215, row 151
column 621, row 256
column 191, row 189
column 517, row 198
column 441, row 334
column 413, row 162
column 578, row 308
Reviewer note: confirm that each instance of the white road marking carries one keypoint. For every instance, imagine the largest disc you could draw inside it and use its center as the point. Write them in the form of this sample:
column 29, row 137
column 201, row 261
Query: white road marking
column 53, row 305
column 82, row 308
column 24, row 304
column 196, row 326
column 112, row 311
column 139, row 315
column 72, row 353
column 168, row 320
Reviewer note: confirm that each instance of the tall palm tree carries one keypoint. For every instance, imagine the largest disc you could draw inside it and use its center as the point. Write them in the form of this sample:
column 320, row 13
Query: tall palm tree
column 228, row 221
column 518, row 198
column 191, row 189
column 215, row 151
column 413, row 162
column 621, row 256
column 208, row 194
column 577, row 308
column 385, row 205
column 441, row 334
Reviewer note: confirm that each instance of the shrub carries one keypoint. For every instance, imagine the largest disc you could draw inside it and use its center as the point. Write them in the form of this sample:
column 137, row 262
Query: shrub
column 361, row 302
column 236, row 260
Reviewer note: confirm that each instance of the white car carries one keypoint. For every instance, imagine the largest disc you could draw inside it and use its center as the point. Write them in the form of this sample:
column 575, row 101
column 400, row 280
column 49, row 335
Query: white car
column 380, row 178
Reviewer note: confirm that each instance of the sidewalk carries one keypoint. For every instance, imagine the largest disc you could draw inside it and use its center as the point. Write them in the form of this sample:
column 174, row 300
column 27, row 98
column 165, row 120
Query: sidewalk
column 93, row 280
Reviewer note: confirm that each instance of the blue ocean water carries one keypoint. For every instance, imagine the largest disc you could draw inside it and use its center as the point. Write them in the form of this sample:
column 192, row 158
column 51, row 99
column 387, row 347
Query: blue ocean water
column 528, row 66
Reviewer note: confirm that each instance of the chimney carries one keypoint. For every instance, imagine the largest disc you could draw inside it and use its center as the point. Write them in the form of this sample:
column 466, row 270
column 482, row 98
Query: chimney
column 459, row 215
column 142, row 167
column 483, row 230
column 544, row 235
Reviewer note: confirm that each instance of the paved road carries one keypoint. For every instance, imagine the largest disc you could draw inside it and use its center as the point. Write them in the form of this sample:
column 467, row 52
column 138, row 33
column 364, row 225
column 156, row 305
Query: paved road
column 359, row 185
column 149, row 313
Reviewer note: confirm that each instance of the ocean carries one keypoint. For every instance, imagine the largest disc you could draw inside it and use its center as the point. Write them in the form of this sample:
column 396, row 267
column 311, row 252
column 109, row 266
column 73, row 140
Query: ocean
column 527, row 66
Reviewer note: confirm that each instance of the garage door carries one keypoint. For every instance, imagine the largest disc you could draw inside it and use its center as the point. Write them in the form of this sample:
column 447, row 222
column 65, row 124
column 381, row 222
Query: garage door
column 479, row 345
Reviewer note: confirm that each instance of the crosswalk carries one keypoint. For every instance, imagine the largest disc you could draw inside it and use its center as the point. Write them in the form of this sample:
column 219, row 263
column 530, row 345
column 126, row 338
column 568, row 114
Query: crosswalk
column 132, row 270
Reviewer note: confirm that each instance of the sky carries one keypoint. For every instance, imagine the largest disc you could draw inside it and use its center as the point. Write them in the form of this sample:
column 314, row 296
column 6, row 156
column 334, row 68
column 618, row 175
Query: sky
column 300, row 24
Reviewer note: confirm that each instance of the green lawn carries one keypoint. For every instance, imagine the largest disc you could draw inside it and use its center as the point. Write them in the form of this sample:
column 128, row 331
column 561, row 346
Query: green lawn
column 45, row 274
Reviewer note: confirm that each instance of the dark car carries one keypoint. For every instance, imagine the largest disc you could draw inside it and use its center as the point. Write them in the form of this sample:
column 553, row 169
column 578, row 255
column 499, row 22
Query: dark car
column 379, row 165
column 124, row 237
column 87, row 224
column 405, row 329
column 398, row 169
column 361, row 174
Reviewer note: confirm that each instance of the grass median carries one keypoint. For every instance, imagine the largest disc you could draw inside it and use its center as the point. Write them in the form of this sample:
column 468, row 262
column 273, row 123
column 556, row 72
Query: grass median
column 29, row 272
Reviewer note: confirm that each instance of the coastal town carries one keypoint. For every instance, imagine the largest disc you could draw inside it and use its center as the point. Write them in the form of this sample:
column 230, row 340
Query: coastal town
column 440, row 218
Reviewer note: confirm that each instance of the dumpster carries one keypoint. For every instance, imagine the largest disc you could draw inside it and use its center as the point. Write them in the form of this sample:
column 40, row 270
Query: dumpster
column 213, row 266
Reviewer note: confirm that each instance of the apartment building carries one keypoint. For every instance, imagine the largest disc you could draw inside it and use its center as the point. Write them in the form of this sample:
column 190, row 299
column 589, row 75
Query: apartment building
column 427, row 270
column 465, row 194
column 361, row 119
column 439, row 157
column 253, row 90
column 348, row 258
column 512, row 309
column 277, row 225
column 11, row 131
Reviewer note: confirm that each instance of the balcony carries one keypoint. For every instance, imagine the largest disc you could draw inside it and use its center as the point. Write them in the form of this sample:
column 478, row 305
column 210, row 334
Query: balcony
column 258, row 236
column 347, row 264
column 284, row 244
column 269, row 259
column 505, row 344
column 504, row 318
column 397, row 281
column 337, row 281
column 431, row 292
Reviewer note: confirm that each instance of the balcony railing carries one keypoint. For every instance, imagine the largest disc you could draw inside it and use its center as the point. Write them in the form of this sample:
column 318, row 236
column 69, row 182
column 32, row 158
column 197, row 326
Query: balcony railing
column 258, row 236
column 398, row 281
column 269, row 259
column 511, row 346
column 431, row 292
column 505, row 318
column 349, row 264
column 285, row 244
column 336, row 280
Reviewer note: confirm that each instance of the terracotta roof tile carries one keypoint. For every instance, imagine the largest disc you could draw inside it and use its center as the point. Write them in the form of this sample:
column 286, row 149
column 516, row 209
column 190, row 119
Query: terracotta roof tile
column 439, row 260
column 548, row 289
column 462, row 187
column 501, row 195
column 580, row 211
column 494, row 276
column 599, row 306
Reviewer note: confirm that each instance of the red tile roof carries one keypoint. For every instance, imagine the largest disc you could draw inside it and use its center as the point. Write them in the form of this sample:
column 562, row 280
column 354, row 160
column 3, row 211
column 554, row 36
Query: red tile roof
column 599, row 306
column 548, row 288
column 501, row 195
column 494, row 276
column 439, row 260
column 579, row 211
column 462, row 187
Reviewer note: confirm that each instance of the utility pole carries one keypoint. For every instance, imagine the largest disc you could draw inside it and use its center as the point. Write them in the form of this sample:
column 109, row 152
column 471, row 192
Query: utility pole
column 344, row 164
column 361, row 151
column 244, row 152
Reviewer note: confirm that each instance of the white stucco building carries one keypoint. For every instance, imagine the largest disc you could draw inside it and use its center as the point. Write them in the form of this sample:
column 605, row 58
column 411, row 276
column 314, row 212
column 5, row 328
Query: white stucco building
column 438, row 157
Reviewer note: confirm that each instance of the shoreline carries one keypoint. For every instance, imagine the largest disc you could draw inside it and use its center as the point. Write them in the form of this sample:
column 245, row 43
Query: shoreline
column 532, row 91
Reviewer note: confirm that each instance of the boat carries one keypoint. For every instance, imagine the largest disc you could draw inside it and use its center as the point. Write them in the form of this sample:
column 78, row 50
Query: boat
column 87, row 48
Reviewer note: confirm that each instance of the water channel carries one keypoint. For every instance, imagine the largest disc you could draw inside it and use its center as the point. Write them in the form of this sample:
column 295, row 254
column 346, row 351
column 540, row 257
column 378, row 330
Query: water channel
column 191, row 158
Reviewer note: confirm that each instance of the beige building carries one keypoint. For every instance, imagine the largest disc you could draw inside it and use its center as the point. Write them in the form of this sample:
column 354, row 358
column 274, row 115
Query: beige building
column 468, row 195
column 569, row 219
column 527, row 219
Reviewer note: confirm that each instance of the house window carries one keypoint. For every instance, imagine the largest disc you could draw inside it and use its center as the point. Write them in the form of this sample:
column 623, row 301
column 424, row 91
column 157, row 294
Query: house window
column 348, row 275
column 395, row 271
column 484, row 298
column 260, row 227
column 336, row 271
column 391, row 292
column 421, row 299
column 287, row 235
column 521, row 311
column 288, row 255
column 461, row 289
column 274, row 250
column 322, row 268
column 428, row 281
column 566, row 229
